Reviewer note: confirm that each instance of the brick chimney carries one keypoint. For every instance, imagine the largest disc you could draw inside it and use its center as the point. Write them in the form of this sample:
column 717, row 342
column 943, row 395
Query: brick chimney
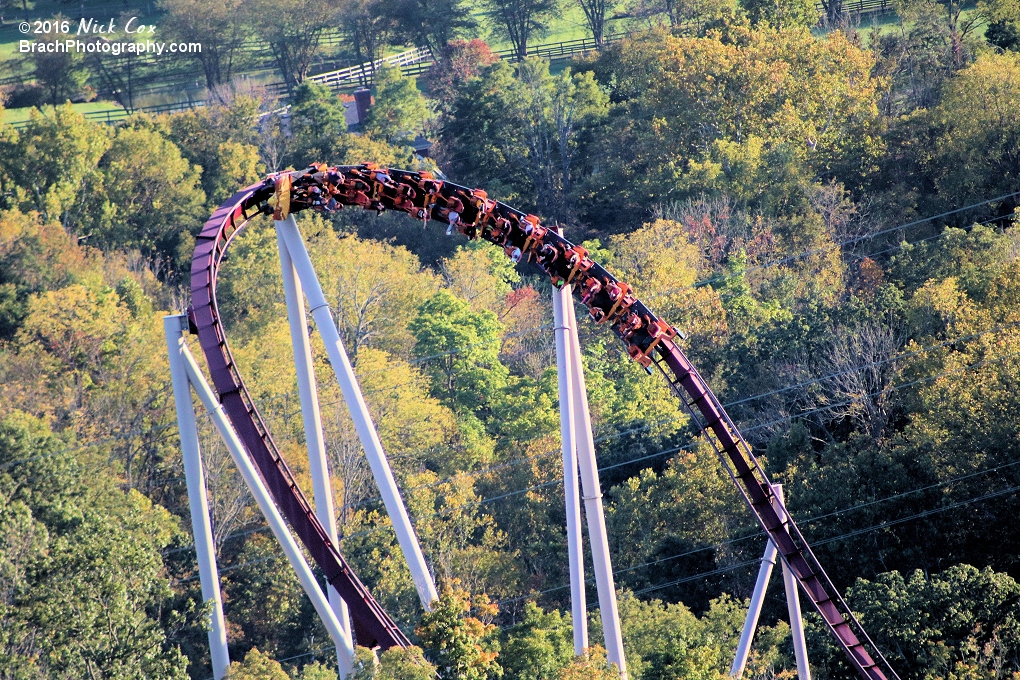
column 363, row 101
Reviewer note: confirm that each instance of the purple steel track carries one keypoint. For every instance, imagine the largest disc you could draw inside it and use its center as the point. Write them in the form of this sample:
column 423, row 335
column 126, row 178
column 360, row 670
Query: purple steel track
column 649, row 341
column 372, row 626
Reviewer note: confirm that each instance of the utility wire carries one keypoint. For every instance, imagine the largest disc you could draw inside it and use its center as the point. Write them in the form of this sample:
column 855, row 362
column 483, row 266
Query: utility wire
column 732, row 567
column 675, row 450
column 423, row 359
column 849, row 534
column 832, row 246
column 652, row 295
column 762, row 534
column 662, row 294
column 672, row 450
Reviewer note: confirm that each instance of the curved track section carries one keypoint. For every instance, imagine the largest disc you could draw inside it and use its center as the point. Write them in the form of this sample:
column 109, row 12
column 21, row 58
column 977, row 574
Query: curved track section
column 372, row 626
column 649, row 340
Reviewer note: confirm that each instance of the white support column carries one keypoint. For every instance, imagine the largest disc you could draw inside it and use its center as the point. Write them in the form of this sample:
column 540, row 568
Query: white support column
column 560, row 299
column 201, row 527
column 345, row 661
column 311, row 416
column 768, row 561
column 593, row 505
column 319, row 308
column 792, row 603
column 793, row 606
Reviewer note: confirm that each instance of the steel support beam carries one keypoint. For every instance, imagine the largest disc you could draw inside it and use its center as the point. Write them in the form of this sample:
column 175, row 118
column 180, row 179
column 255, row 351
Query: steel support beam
column 793, row 604
column 768, row 561
column 194, row 475
column 345, row 660
column 578, row 609
column 380, row 466
column 310, row 415
column 593, row 504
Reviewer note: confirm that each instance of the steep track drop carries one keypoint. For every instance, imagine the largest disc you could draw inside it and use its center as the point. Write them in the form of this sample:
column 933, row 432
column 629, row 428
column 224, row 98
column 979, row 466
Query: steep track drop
column 649, row 340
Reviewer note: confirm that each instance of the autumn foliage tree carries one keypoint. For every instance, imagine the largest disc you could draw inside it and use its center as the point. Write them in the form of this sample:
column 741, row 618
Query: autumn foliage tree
column 461, row 645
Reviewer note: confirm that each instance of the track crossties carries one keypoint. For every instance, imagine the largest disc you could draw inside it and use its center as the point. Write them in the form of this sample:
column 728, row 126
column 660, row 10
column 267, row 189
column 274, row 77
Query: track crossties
column 650, row 341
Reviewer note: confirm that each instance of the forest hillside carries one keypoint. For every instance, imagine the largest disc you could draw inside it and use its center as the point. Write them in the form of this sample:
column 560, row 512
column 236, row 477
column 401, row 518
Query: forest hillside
column 827, row 215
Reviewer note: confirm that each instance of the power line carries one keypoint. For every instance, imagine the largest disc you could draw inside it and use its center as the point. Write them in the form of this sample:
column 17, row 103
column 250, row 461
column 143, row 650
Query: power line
column 686, row 447
column 774, row 263
column 832, row 246
column 810, row 520
column 672, row 450
column 849, row 534
column 835, row 374
column 746, row 563
column 652, row 295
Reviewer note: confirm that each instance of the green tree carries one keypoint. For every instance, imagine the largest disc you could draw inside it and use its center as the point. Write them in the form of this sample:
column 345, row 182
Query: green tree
column 461, row 646
column 674, row 512
column 529, row 129
column 146, row 181
column 671, row 639
column 520, row 20
column 399, row 112
column 34, row 256
column 486, row 132
column 218, row 26
column 431, row 24
column 592, row 665
column 975, row 155
column 678, row 661
column 318, row 126
column 480, row 273
column 23, row 542
column 267, row 601
column 369, row 27
column 960, row 623
column 595, row 13
column 1003, row 18
column 93, row 597
column 61, row 73
column 406, row 663
column 257, row 666
column 87, row 352
column 396, row 663
column 294, row 30
column 50, row 166
column 376, row 290
column 219, row 139
column 706, row 115
column 539, row 646
column 667, row 257
column 318, row 671
column 463, row 350
column 782, row 13
column 690, row 17
column 463, row 60
column 464, row 543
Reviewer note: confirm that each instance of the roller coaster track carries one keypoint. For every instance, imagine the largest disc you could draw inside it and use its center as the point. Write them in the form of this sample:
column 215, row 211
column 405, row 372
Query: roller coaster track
column 610, row 302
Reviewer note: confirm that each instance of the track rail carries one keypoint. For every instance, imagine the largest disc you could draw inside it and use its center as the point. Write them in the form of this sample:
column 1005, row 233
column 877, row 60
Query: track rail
column 649, row 340
column 372, row 626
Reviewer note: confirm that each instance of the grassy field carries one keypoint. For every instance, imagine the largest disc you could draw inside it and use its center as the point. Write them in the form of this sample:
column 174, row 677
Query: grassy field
column 19, row 115
column 878, row 24
column 568, row 24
